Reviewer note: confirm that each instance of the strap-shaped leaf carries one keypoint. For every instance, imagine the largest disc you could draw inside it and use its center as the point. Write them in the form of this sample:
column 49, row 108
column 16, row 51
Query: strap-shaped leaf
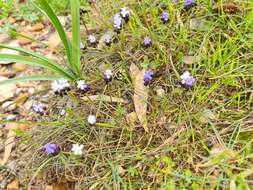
column 75, row 14
column 37, row 62
column 26, row 51
column 55, row 21
column 28, row 78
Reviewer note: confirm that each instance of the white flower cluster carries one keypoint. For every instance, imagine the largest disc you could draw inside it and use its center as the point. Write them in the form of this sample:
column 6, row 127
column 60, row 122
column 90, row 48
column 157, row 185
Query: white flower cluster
column 81, row 85
column 124, row 12
column 92, row 119
column 38, row 107
column 108, row 74
column 59, row 85
column 77, row 149
column 92, row 39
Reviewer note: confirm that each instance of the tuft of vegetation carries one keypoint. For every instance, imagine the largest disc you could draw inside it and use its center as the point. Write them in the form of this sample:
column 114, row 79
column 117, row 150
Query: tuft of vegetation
column 199, row 137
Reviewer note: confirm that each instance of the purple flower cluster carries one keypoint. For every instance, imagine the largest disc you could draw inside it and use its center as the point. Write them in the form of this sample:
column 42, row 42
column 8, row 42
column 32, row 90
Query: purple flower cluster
column 187, row 80
column 118, row 19
column 51, row 149
column 39, row 108
column 108, row 75
column 165, row 17
column 147, row 42
column 148, row 77
column 82, row 86
column 189, row 3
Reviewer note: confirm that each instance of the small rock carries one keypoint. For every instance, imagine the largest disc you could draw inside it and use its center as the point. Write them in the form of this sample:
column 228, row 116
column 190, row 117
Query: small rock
column 14, row 185
column 37, row 27
column 54, row 41
column 4, row 38
column 11, row 20
column 24, row 41
column 31, row 90
column 159, row 91
column 10, row 117
column 7, row 91
column 189, row 59
column 9, row 106
column 19, row 67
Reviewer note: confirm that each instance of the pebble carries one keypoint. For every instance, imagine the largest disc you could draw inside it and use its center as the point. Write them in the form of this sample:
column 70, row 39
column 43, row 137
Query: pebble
column 9, row 105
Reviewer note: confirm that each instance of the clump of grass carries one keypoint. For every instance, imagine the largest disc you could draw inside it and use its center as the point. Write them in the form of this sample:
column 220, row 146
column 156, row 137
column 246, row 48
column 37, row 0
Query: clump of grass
column 198, row 138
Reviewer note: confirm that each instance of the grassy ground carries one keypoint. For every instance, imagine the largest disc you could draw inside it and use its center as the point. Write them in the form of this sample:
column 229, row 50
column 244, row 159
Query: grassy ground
column 199, row 138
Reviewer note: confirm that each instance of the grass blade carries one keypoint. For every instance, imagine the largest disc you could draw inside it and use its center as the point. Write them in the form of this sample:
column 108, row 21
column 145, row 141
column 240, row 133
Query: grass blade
column 55, row 21
column 37, row 62
column 28, row 78
column 75, row 14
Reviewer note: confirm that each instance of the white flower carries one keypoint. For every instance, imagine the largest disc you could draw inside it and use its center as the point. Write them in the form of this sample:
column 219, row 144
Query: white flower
column 38, row 107
column 125, row 12
column 59, row 85
column 107, row 39
column 77, row 149
column 62, row 112
column 92, row 39
column 81, row 85
column 108, row 73
column 92, row 119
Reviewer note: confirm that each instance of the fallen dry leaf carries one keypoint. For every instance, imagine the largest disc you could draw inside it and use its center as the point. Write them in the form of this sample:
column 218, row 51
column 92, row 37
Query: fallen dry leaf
column 8, row 145
column 14, row 185
column 140, row 95
column 104, row 98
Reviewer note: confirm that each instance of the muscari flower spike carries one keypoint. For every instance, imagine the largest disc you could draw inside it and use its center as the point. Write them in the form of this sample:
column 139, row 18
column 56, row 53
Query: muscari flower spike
column 77, row 149
column 165, row 17
column 39, row 108
column 82, row 86
column 189, row 3
column 187, row 80
column 147, row 41
column 125, row 13
column 108, row 40
column 51, row 149
column 117, row 22
column 108, row 75
column 92, row 119
column 148, row 77
column 92, row 40
column 60, row 86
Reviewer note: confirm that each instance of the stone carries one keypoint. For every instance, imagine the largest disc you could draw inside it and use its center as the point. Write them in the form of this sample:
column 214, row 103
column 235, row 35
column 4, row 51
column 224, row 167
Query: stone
column 159, row 91
column 14, row 185
column 6, row 91
column 9, row 106
column 4, row 38
column 37, row 27
column 24, row 41
column 19, row 67
column 54, row 41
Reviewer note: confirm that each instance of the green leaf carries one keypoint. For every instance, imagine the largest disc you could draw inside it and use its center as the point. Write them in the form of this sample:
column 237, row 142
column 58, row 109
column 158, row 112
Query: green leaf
column 37, row 62
column 55, row 21
column 26, row 51
column 75, row 13
column 28, row 78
